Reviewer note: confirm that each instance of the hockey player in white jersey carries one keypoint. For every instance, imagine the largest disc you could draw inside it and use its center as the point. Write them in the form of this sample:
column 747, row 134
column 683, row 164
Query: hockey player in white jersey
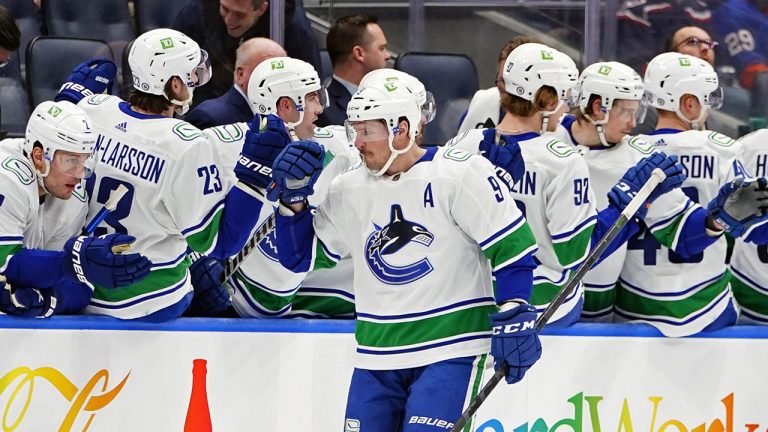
column 426, row 230
column 683, row 295
column 43, row 262
column 611, row 101
column 176, row 199
column 553, row 187
column 749, row 279
column 289, row 90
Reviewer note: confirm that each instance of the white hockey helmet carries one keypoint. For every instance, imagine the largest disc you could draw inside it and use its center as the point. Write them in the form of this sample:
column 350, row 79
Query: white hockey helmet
column 284, row 77
column 671, row 75
column 610, row 81
column 161, row 54
column 532, row 66
column 425, row 98
column 61, row 126
column 387, row 101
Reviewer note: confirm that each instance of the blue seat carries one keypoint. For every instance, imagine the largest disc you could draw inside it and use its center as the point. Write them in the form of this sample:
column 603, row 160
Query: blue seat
column 51, row 59
column 152, row 14
column 28, row 20
column 452, row 79
column 14, row 104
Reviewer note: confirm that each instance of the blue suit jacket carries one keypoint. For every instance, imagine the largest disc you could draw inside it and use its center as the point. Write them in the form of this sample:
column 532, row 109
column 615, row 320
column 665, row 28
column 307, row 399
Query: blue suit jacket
column 338, row 98
column 231, row 107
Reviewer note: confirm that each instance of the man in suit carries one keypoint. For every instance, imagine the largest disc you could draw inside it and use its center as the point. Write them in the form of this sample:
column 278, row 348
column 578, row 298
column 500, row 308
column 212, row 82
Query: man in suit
column 233, row 106
column 9, row 36
column 356, row 45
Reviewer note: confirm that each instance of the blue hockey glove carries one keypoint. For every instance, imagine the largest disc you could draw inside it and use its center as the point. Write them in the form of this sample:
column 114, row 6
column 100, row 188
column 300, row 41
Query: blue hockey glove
column 635, row 177
column 740, row 204
column 514, row 341
column 505, row 155
column 87, row 79
column 295, row 172
column 265, row 139
column 211, row 297
column 97, row 260
column 27, row 302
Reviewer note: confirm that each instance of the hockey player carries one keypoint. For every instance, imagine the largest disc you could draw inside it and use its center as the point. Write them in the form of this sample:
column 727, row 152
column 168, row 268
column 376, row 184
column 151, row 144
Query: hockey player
column 741, row 24
column 749, row 279
column 45, row 266
column 425, row 228
column 176, row 196
column 610, row 103
column 289, row 90
column 684, row 295
column 553, row 188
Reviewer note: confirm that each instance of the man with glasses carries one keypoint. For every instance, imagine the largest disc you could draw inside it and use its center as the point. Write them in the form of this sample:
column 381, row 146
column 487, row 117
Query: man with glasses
column 44, row 266
column 9, row 37
column 693, row 40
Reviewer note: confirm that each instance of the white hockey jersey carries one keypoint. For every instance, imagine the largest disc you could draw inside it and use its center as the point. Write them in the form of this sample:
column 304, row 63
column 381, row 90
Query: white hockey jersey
column 175, row 199
column 748, row 262
column 423, row 244
column 484, row 110
column 262, row 286
column 680, row 296
column 557, row 201
column 24, row 220
column 606, row 167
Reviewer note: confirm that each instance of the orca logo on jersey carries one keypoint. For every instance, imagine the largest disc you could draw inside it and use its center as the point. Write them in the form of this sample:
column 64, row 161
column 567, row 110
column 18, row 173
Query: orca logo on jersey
column 268, row 246
column 390, row 239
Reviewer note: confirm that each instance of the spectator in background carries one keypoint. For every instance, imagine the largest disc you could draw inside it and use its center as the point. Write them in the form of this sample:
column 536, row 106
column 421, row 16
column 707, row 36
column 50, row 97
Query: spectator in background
column 10, row 36
column 485, row 108
column 234, row 106
column 356, row 45
column 743, row 26
column 220, row 26
column 692, row 40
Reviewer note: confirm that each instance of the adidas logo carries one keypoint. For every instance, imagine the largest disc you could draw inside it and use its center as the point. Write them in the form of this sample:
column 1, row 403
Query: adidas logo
column 121, row 126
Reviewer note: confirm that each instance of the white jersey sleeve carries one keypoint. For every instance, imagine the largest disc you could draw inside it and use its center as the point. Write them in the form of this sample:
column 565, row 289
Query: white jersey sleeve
column 18, row 202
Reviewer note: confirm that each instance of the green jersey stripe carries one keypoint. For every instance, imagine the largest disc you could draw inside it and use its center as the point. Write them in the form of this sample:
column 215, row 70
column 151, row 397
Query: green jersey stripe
column 510, row 248
column 203, row 240
column 599, row 301
column 267, row 300
column 677, row 310
column 322, row 260
column 451, row 324
column 6, row 251
column 669, row 233
column 748, row 297
column 570, row 253
column 157, row 280
column 327, row 306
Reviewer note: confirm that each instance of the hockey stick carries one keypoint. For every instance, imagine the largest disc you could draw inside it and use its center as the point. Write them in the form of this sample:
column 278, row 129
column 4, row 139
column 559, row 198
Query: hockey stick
column 657, row 176
column 114, row 198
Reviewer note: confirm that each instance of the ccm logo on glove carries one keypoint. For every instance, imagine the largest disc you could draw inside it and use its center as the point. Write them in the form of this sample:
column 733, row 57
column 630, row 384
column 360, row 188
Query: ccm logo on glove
column 514, row 328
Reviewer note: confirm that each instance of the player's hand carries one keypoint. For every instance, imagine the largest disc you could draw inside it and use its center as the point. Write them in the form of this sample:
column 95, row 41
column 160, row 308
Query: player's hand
column 98, row 261
column 740, row 204
column 87, row 79
column 211, row 297
column 635, row 177
column 295, row 172
column 514, row 341
column 265, row 139
column 506, row 154
column 26, row 302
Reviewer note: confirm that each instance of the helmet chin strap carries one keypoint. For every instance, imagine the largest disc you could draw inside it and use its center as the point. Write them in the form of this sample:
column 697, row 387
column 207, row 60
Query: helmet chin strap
column 394, row 153
column 182, row 107
column 600, row 129
column 41, row 176
column 697, row 123
column 546, row 114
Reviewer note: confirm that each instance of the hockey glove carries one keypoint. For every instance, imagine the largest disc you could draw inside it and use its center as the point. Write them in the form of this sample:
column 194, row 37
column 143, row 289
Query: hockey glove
column 635, row 177
column 87, row 79
column 740, row 204
column 505, row 155
column 91, row 260
column 295, row 172
column 211, row 297
column 26, row 302
column 265, row 139
column 514, row 341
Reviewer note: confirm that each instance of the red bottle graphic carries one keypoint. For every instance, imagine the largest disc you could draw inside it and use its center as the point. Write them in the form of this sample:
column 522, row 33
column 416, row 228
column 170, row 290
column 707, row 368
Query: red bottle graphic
column 198, row 414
